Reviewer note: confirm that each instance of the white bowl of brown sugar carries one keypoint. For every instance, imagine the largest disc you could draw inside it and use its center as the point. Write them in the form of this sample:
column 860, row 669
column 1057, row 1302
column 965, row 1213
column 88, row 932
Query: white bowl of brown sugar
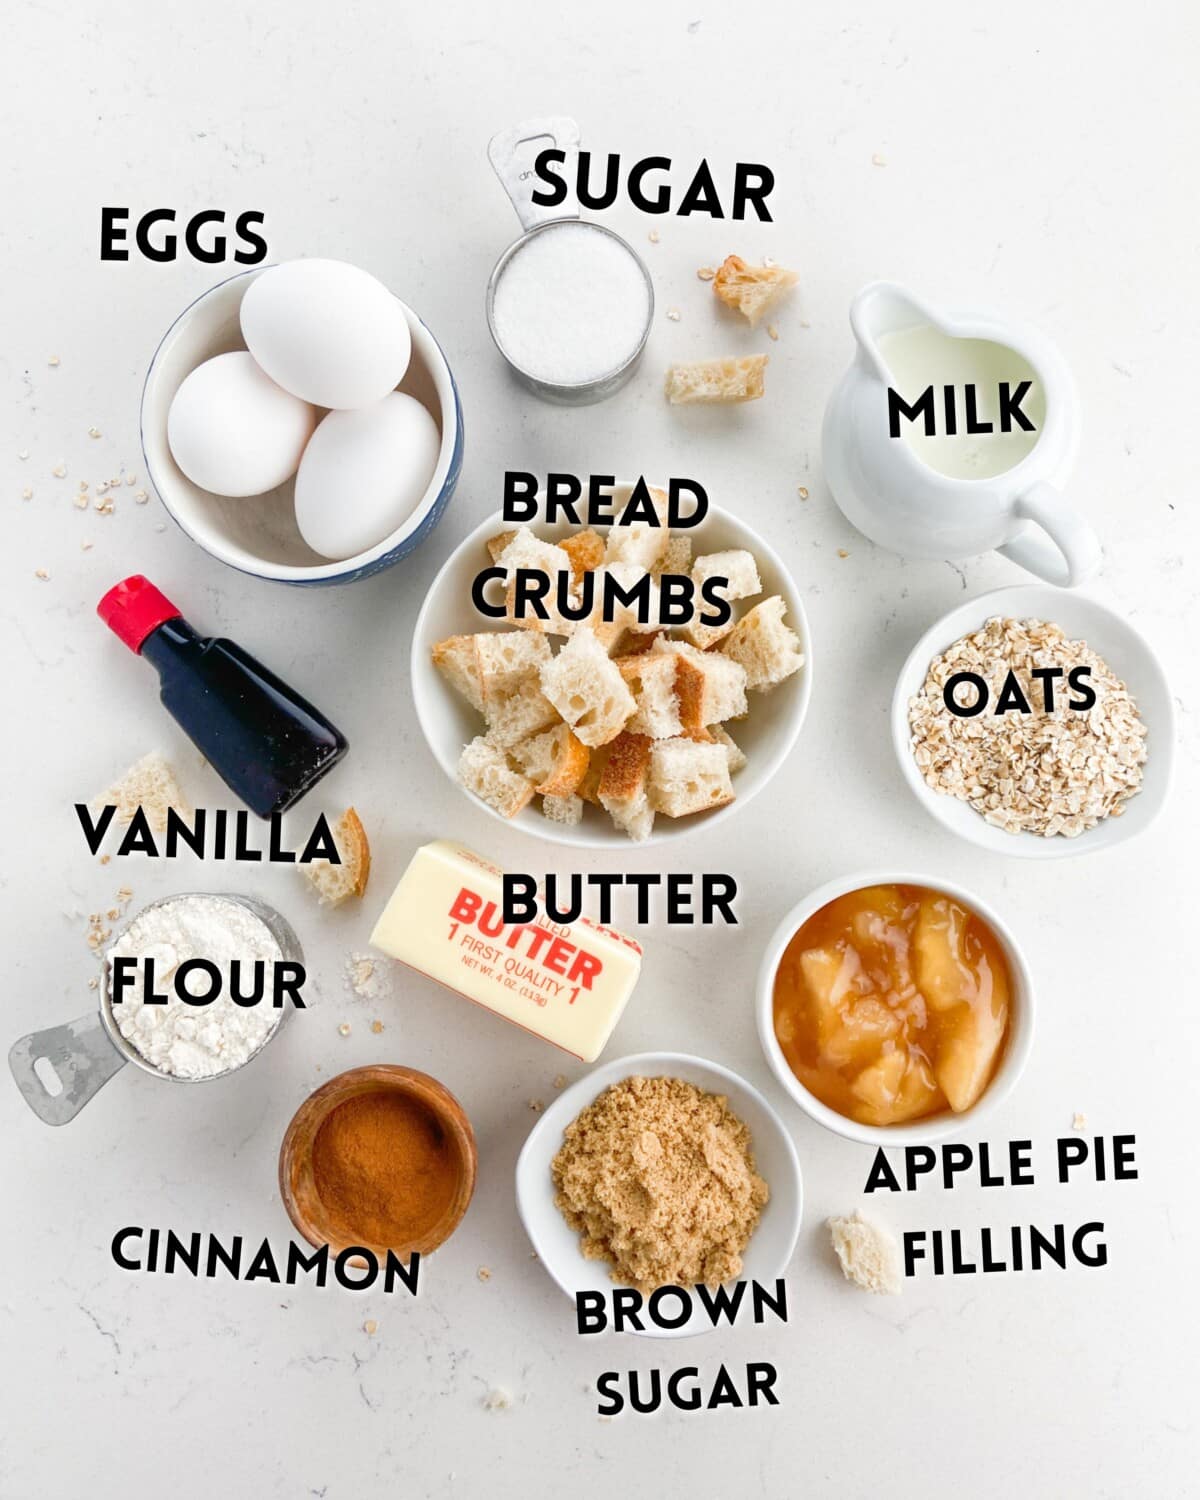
column 1061, row 738
column 682, row 1116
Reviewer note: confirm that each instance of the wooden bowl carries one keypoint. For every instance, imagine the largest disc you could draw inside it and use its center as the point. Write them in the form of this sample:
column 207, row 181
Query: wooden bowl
column 296, row 1182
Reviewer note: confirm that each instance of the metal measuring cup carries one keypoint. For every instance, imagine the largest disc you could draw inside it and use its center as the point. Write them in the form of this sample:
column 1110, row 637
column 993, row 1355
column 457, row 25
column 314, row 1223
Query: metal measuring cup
column 512, row 154
column 85, row 1053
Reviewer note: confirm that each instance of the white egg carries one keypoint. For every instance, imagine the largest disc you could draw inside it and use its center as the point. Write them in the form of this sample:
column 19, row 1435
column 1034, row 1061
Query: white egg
column 233, row 431
column 363, row 474
column 328, row 332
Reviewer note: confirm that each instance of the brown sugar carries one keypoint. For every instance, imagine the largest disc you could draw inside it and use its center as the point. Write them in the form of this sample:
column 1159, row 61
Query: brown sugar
column 659, row 1179
column 384, row 1170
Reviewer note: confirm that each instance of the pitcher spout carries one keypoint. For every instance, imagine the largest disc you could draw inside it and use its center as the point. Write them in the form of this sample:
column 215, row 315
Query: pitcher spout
column 882, row 308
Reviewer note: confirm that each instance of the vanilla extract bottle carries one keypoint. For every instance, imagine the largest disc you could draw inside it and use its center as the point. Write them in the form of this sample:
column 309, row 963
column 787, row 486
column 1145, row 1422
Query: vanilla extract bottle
column 268, row 744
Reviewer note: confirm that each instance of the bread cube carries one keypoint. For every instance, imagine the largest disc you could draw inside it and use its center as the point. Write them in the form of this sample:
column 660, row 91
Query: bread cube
column 566, row 810
column 586, row 551
column 519, row 714
column 483, row 768
column 554, row 761
column 587, row 689
column 750, row 290
column 651, row 680
column 529, row 553
column 458, row 662
column 624, row 786
column 716, row 381
column 736, row 756
column 708, row 691
column 687, row 776
column 640, row 542
column 764, row 646
column 676, row 558
column 509, row 660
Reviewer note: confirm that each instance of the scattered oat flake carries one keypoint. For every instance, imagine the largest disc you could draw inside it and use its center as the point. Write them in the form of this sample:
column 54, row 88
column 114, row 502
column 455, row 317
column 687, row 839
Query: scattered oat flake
column 370, row 1326
column 497, row 1400
column 772, row 331
column 842, row 552
column 131, row 480
column 802, row 491
column 344, row 1029
column 42, row 574
column 878, row 161
column 27, row 493
column 141, row 497
column 560, row 1082
column 81, row 502
column 93, row 432
column 86, row 546
column 706, row 273
column 93, row 983
column 106, row 507
column 1079, row 1121
column 674, row 314
column 54, row 361
column 59, row 471
column 125, row 895
column 654, row 236
column 484, row 1273
column 537, row 1106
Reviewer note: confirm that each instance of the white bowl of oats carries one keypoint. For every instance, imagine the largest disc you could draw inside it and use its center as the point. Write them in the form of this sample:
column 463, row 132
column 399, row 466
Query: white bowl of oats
column 1061, row 734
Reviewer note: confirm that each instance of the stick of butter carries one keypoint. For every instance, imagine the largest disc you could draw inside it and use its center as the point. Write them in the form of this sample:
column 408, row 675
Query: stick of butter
column 567, row 984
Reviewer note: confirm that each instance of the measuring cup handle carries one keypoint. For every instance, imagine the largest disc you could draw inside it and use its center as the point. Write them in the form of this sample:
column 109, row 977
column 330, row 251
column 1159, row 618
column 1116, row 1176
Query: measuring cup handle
column 1072, row 553
column 81, row 1057
column 512, row 154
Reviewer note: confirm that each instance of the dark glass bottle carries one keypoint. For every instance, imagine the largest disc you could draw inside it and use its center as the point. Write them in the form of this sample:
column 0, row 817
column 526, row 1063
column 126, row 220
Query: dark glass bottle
column 266, row 742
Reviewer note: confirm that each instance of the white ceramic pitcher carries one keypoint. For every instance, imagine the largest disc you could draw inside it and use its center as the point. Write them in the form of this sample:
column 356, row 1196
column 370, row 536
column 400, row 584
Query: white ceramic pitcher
column 892, row 495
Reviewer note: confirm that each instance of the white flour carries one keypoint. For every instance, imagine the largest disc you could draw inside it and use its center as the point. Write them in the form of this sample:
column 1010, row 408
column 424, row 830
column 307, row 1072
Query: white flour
column 187, row 1040
column 571, row 305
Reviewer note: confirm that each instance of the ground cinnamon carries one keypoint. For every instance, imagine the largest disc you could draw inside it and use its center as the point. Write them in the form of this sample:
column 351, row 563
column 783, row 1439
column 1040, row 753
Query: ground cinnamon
column 384, row 1170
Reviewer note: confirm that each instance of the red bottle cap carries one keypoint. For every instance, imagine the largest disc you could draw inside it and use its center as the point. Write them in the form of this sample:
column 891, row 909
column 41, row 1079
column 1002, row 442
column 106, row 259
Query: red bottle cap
column 133, row 609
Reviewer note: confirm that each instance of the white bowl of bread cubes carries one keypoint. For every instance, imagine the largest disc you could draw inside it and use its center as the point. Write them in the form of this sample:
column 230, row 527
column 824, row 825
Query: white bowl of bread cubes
column 595, row 732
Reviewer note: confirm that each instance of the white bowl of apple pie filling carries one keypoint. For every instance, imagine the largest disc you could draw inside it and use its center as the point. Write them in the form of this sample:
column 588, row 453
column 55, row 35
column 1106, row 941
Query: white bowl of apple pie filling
column 894, row 1008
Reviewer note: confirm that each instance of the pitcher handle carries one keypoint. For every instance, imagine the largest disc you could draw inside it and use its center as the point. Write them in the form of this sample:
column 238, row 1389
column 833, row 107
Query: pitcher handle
column 512, row 154
column 1072, row 552
column 81, row 1057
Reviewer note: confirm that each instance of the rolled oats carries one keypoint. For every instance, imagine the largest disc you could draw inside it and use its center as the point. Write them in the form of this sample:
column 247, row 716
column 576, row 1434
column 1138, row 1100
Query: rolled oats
column 1054, row 773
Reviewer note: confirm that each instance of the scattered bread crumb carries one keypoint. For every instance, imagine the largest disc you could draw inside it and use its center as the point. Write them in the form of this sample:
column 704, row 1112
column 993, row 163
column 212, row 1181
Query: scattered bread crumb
column 878, row 161
column 842, row 552
column 42, row 574
column 368, row 977
column 149, row 784
column 802, row 491
column 54, row 361
column 376, row 1027
column 27, row 493
column 497, row 1399
column 867, row 1254
column 484, row 1273
column 560, row 1081
column 94, row 432
column 674, row 314
column 344, row 1029
column 370, row 1326
column 537, row 1106
column 59, row 471
column 772, row 331
column 706, row 273
column 1079, row 1121
column 654, row 236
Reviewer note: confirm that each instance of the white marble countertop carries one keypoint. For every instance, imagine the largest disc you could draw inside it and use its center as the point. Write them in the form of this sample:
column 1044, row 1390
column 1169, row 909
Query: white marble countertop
column 1035, row 160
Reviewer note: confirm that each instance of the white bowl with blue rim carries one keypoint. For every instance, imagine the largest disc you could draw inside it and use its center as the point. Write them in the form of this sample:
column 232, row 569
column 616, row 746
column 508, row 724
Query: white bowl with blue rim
column 259, row 536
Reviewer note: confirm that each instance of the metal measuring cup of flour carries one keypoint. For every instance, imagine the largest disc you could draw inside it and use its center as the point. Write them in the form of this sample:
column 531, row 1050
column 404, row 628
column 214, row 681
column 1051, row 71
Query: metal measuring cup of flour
column 82, row 1055
column 512, row 154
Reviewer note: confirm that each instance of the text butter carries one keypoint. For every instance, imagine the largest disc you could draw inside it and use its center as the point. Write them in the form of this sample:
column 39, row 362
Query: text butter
column 567, row 984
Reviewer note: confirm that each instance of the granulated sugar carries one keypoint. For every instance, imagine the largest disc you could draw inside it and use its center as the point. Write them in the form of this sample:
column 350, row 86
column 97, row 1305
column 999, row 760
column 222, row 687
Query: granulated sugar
column 185, row 1040
column 571, row 306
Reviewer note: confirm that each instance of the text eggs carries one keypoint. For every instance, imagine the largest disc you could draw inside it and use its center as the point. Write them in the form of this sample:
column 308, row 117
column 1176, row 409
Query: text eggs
column 328, row 332
column 233, row 431
column 363, row 474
